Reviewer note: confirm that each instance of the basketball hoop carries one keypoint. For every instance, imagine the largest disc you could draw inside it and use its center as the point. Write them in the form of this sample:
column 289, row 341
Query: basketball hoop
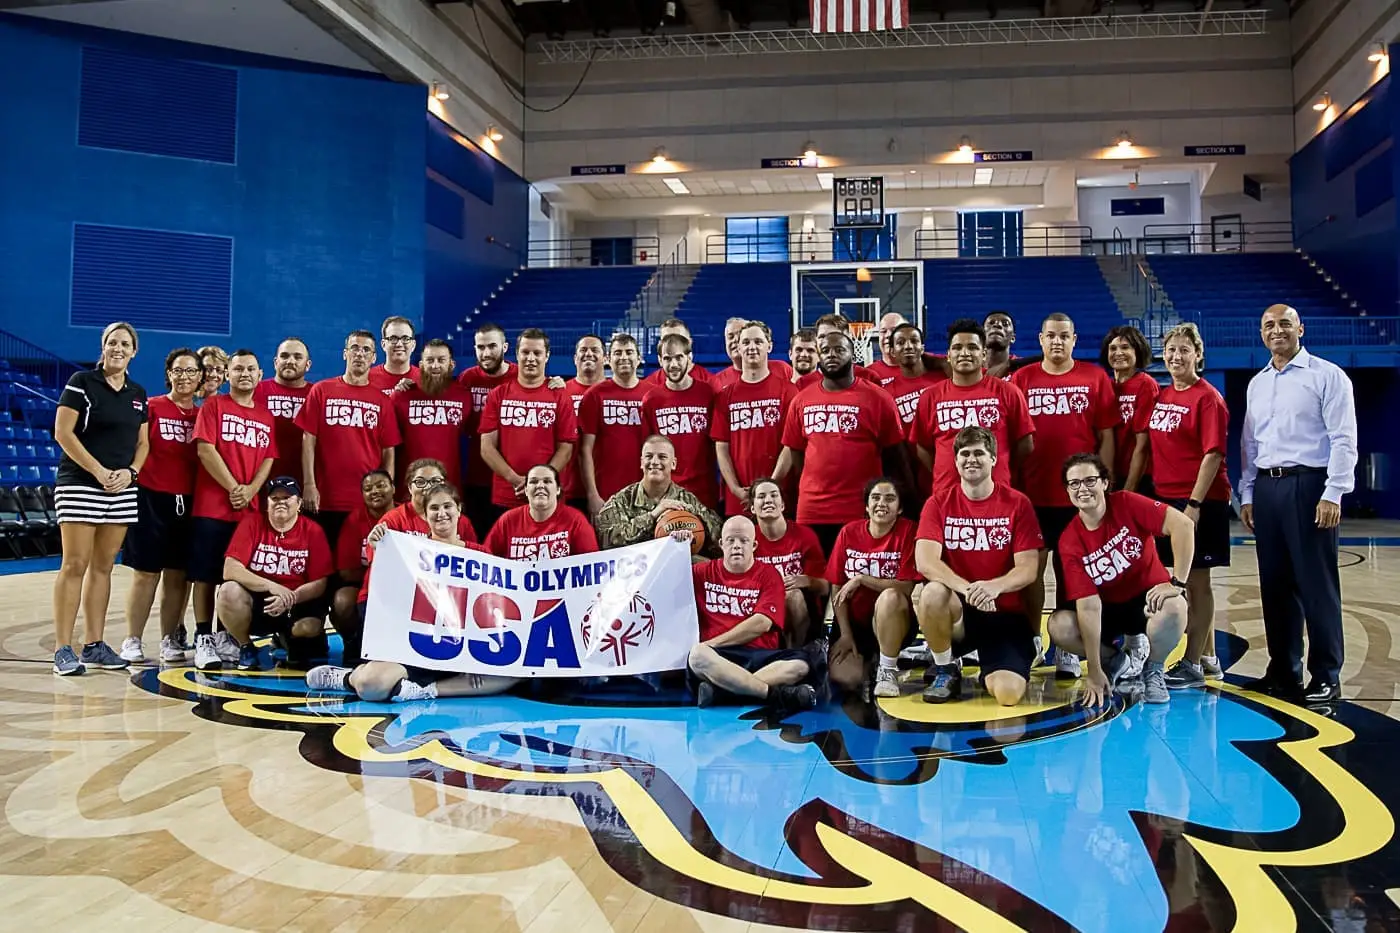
column 860, row 337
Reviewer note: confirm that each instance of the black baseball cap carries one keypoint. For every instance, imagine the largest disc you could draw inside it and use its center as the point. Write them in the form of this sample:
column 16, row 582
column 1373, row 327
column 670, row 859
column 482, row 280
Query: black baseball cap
column 286, row 484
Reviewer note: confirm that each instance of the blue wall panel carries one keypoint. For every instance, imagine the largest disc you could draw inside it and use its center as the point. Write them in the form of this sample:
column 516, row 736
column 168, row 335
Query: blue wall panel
column 325, row 205
column 459, row 271
column 153, row 279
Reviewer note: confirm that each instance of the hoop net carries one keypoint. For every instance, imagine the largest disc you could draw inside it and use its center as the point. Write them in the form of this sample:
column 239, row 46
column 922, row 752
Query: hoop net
column 861, row 334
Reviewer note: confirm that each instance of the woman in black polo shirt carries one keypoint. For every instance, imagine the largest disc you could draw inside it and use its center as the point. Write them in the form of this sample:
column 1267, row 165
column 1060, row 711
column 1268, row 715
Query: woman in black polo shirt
column 100, row 426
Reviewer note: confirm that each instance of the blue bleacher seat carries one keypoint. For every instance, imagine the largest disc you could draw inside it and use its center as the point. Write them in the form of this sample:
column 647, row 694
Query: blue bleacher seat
column 7, row 433
column 5, row 417
column 9, row 473
column 9, row 453
column 30, row 474
column 23, row 434
column 27, row 453
column 49, row 453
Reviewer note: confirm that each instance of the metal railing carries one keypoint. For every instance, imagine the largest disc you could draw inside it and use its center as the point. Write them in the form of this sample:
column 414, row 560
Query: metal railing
column 945, row 242
column 654, row 292
column 26, row 357
column 1264, row 236
column 793, row 246
column 595, row 251
column 1345, row 332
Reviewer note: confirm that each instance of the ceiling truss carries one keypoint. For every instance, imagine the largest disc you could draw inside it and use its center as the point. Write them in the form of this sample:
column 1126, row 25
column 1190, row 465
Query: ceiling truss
column 1213, row 24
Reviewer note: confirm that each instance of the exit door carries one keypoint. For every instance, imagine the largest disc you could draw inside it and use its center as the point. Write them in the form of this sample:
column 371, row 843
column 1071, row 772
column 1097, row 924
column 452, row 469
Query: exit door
column 1227, row 233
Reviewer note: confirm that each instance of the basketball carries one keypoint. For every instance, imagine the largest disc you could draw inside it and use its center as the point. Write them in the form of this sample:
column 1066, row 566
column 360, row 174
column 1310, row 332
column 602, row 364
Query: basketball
column 681, row 520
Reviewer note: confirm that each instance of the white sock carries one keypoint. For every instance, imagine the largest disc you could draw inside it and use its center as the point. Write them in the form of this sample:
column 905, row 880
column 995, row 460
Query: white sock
column 1210, row 659
column 943, row 657
column 889, row 663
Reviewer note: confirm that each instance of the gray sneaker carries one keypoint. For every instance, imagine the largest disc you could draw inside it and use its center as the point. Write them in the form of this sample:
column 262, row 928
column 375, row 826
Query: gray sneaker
column 171, row 651
column 328, row 677
column 101, row 655
column 1184, row 675
column 1154, row 687
column 228, row 650
column 66, row 663
column 132, row 650
column 886, row 682
column 1210, row 668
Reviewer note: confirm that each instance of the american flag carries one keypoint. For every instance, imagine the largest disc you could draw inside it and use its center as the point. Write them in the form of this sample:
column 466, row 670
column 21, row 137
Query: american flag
column 859, row 15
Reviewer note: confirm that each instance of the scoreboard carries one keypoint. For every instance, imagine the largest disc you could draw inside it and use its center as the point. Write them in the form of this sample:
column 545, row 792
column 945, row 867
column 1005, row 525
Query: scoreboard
column 858, row 202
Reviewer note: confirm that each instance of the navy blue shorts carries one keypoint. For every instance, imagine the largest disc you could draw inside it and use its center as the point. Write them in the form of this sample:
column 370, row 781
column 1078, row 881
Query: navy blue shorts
column 160, row 539
column 209, row 540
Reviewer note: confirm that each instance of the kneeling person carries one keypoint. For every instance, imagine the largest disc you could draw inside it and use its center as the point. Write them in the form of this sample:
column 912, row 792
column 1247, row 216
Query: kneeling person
column 740, row 605
column 872, row 567
column 375, row 681
column 275, row 573
column 1117, row 582
column 978, row 547
column 794, row 551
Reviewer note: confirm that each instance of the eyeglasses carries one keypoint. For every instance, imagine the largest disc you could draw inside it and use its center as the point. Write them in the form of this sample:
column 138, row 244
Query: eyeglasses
column 1088, row 482
column 360, row 351
column 399, row 339
column 187, row 371
column 426, row 482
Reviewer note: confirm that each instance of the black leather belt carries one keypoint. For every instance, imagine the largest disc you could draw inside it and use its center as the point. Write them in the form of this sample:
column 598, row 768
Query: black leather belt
column 1280, row 472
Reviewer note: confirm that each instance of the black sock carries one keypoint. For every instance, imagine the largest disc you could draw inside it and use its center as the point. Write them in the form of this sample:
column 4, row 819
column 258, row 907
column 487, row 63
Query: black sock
column 203, row 628
column 91, row 644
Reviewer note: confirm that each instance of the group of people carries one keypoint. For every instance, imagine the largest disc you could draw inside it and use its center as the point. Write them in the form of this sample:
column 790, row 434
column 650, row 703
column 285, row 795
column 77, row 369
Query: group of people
column 930, row 493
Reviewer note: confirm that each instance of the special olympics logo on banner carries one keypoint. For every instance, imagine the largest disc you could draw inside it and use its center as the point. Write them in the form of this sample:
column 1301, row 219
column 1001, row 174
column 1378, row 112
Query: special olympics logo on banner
column 631, row 625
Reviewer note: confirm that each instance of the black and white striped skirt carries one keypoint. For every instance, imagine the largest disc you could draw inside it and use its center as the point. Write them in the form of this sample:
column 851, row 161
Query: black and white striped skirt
column 89, row 505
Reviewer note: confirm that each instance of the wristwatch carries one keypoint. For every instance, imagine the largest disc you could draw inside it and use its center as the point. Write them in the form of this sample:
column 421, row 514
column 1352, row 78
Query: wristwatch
column 1177, row 583
column 1193, row 503
column 135, row 473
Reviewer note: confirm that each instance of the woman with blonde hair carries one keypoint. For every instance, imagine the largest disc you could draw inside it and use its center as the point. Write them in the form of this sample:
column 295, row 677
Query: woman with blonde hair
column 213, row 361
column 1187, row 433
column 101, row 427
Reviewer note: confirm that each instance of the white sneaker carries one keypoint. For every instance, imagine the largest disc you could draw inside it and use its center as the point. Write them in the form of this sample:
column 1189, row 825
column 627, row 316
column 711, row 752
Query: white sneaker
column 229, row 651
column 206, row 658
column 131, row 650
column 171, row 651
column 409, row 691
column 1138, row 647
column 1210, row 666
column 1066, row 666
column 328, row 677
column 886, row 682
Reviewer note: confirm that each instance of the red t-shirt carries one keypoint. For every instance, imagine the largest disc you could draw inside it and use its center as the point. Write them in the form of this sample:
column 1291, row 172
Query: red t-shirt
column 684, row 418
column 750, row 418
column 530, row 424
column 797, row 552
column 284, row 404
column 404, row 518
column 352, row 550
column 431, row 426
column 856, row 551
column 571, row 480
column 981, row 538
column 1185, row 425
column 353, row 425
column 883, row 373
column 946, row 408
column 724, row 599
column 383, row 380
column 480, row 383
column 727, row 377
column 292, row 558
column 517, row 536
column 1136, row 396
column 613, row 415
column 173, row 460
column 1067, row 410
column 842, row 435
column 815, row 376
column 906, row 391
column 1118, row 560
column 697, row 372
column 243, row 437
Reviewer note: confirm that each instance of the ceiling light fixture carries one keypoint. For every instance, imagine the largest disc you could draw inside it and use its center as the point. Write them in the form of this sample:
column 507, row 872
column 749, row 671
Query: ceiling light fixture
column 1124, row 141
column 983, row 176
column 676, row 185
column 1323, row 102
column 809, row 151
column 1378, row 52
column 439, row 91
column 494, row 134
column 659, row 154
column 965, row 145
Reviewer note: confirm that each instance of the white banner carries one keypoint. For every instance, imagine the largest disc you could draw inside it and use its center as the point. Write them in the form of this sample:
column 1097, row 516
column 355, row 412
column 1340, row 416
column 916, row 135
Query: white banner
column 629, row 610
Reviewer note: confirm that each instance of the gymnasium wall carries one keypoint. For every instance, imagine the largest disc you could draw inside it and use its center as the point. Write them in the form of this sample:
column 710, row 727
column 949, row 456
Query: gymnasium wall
column 1061, row 101
column 1331, row 39
column 289, row 200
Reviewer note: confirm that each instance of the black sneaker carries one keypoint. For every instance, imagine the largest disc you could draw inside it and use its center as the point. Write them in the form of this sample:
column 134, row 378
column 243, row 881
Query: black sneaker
column 946, row 683
column 792, row 698
column 705, row 694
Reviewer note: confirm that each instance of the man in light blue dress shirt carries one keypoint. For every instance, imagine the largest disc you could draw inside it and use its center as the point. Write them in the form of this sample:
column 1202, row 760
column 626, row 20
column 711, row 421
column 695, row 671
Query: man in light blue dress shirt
column 1299, row 459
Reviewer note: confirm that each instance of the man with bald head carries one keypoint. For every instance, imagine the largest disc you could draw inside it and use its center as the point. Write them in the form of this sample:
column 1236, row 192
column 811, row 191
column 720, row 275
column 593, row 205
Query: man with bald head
column 1298, row 459
column 740, row 604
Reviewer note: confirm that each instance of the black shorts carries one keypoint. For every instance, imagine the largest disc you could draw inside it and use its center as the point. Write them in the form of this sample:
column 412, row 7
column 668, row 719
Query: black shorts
column 753, row 660
column 826, row 536
column 264, row 624
column 1002, row 640
column 331, row 523
column 209, row 540
column 1053, row 520
column 160, row 539
column 1212, row 535
column 1126, row 618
